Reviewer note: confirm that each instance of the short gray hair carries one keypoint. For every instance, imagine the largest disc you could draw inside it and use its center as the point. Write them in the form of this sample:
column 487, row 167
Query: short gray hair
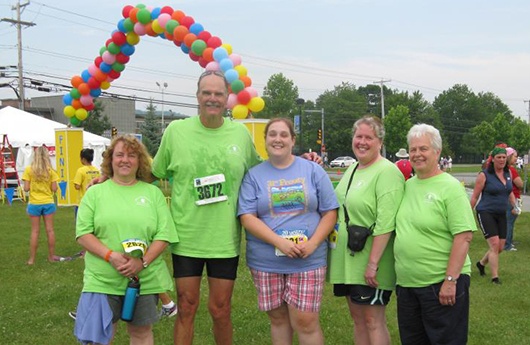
column 431, row 132
column 374, row 123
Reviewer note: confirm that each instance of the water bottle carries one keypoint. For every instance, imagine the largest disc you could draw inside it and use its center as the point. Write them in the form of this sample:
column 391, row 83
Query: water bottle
column 131, row 297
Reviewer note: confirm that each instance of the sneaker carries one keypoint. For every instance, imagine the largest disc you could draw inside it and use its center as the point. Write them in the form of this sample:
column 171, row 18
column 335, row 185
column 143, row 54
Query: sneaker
column 496, row 281
column 481, row 268
column 511, row 249
column 72, row 314
column 169, row 312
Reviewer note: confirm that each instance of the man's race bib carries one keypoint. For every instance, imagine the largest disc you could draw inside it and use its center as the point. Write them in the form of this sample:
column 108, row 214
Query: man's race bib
column 210, row 189
column 134, row 247
column 296, row 236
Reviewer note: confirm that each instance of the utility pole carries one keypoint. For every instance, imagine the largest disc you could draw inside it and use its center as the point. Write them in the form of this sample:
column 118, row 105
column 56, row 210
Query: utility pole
column 381, row 83
column 19, row 23
column 528, row 113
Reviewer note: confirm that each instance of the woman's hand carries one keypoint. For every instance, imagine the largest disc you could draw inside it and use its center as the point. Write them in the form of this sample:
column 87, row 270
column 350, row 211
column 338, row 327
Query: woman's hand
column 289, row 248
column 447, row 294
column 130, row 267
column 370, row 275
column 307, row 248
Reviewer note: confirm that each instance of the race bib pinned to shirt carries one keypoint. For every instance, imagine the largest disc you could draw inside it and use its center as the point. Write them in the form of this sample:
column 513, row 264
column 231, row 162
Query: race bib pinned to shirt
column 210, row 189
column 296, row 236
column 134, row 247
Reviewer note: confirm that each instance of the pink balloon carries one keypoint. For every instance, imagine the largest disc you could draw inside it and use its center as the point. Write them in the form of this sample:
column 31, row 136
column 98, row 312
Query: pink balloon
column 232, row 101
column 236, row 59
column 163, row 18
column 252, row 91
column 86, row 100
column 92, row 69
column 139, row 29
column 108, row 58
column 213, row 66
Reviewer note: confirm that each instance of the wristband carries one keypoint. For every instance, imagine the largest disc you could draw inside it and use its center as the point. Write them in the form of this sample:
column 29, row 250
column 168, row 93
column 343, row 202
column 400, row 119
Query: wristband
column 107, row 256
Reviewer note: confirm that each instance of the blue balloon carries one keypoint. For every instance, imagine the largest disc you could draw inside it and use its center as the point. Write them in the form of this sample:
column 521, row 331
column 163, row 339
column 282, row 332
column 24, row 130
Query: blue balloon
column 155, row 12
column 95, row 92
column 85, row 75
column 219, row 54
column 121, row 26
column 67, row 99
column 231, row 75
column 127, row 49
column 226, row 64
column 105, row 67
column 184, row 48
column 196, row 28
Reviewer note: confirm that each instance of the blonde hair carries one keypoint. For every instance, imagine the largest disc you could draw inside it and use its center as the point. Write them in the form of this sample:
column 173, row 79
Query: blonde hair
column 41, row 165
column 131, row 144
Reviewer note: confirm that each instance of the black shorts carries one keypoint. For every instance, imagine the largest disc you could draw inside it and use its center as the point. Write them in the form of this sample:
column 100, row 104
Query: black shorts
column 185, row 266
column 363, row 294
column 492, row 224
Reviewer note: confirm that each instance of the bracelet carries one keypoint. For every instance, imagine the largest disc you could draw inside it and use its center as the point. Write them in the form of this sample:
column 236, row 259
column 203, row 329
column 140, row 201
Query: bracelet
column 107, row 256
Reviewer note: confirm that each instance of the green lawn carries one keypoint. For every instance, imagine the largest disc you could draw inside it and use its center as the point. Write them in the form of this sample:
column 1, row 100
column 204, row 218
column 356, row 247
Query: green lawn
column 35, row 300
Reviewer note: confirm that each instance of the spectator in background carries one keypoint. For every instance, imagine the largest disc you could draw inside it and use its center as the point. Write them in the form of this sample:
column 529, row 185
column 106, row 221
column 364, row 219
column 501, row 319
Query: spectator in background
column 494, row 187
column 449, row 163
column 41, row 182
column 288, row 208
column 85, row 174
column 513, row 213
column 404, row 164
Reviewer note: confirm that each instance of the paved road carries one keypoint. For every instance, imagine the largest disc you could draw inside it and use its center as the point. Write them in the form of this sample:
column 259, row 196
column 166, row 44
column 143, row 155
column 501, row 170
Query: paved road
column 467, row 178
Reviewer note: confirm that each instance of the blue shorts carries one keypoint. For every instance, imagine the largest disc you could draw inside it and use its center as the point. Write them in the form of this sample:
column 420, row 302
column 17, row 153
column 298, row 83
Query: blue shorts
column 41, row 210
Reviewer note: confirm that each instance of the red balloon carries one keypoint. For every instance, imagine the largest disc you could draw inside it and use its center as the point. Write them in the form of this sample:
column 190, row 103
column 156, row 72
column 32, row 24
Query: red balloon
column 119, row 38
column 202, row 62
column 177, row 43
column 98, row 61
column 243, row 97
column 168, row 36
column 122, row 58
column 214, row 42
column 193, row 56
column 89, row 107
column 204, row 35
column 187, row 21
column 107, row 42
column 126, row 10
column 93, row 83
column 167, row 9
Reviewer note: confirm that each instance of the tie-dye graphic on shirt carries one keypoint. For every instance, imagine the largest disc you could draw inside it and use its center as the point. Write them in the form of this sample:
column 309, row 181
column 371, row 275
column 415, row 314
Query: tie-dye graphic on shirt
column 287, row 196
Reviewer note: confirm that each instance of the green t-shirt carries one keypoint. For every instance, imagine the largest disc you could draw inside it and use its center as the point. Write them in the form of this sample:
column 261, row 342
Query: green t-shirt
column 432, row 212
column 207, row 167
column 114, row 213
column 374, row 197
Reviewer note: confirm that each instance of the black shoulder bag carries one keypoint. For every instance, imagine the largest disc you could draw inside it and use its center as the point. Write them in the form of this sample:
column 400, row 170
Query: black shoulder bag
column 357, row 235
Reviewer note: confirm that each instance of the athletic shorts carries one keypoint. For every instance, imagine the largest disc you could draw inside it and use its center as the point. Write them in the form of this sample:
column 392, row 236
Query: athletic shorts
column 363, row 294
column 41, row 210
column 185, row 266
column 492, row 224
column 145, row 312
column 301, row 290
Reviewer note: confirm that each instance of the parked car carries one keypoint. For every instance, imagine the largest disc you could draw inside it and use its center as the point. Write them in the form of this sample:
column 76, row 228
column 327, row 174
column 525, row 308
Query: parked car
column 342, row 162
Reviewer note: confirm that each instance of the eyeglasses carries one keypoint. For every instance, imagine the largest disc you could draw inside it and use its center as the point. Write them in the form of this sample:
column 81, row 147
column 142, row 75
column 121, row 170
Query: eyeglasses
column 209, row 72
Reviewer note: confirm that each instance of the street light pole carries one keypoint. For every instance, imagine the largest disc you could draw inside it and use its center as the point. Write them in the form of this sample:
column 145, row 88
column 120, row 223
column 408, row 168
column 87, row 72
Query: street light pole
column 381, row 82
column 162, row 89
column 321, row 111
column 300, row 102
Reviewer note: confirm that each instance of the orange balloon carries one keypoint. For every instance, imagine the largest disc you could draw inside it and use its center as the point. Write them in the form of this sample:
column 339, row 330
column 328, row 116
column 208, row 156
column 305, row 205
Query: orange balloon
column 77, row 104
column 132, row 14
column 246, row 80
column 189, row 39
column 207, row 54
column 100, row 75
column 168, row 36
column 76, row 81
column 180, row 32
column 83, row 88
column 149, row 30
column 178, row 15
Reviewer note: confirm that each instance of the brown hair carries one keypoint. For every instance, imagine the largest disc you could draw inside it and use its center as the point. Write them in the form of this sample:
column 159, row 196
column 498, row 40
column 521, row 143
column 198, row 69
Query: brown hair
column 287, row 121
column 133, row 145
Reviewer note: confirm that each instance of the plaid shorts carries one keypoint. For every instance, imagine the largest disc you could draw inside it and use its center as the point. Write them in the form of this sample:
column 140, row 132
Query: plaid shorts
column 301, row 290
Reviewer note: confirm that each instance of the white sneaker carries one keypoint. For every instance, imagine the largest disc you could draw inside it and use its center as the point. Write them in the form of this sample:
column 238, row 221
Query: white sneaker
column 169, row 312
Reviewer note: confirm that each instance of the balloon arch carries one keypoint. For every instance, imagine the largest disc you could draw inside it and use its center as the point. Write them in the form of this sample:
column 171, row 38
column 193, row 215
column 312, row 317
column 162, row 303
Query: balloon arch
column 200, row 45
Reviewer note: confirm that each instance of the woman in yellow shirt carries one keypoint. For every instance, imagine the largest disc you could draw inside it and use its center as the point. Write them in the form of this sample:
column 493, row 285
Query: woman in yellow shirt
column 85, row 174
column 41, row 182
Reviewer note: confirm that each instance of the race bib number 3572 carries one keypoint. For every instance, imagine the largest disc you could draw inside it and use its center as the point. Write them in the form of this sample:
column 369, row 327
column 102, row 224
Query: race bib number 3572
column 210, row 189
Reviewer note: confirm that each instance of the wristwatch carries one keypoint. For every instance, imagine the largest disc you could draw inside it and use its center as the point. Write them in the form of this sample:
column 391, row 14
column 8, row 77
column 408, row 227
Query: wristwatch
column 144, row 263
column 450, row 279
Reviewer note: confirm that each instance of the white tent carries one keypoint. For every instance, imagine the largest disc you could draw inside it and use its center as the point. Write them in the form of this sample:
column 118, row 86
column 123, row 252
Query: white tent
column 23, row 128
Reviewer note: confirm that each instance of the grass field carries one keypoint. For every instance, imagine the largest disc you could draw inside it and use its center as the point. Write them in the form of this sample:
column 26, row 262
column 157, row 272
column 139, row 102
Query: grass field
column 35, row 299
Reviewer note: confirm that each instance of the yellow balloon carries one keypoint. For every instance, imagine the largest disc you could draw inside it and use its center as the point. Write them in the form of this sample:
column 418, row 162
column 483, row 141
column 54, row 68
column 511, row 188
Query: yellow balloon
column 240, row 111
column 228, row 48
column 69, row 111
column 256, row 104
column 133, row 38
column 242, row 70
column 156, row 27
column 104, row 85
column 81, row 114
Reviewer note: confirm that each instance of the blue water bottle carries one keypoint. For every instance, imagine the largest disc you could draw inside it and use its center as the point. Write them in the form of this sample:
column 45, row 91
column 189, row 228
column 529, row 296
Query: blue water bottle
column 131, row 297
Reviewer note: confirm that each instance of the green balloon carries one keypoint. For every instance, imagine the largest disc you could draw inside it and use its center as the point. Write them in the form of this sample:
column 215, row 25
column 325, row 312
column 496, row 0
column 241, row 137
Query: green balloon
column 75, row 93
column 102, row 50
column 75, row 121
column 114, row 48
column 171, row 25
column 197, row 47
column 144, row 16
column 128, row 25
column 237, row 85
column 118, row 67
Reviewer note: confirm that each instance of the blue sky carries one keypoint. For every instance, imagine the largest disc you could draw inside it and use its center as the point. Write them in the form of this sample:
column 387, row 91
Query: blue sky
column 418, row 45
